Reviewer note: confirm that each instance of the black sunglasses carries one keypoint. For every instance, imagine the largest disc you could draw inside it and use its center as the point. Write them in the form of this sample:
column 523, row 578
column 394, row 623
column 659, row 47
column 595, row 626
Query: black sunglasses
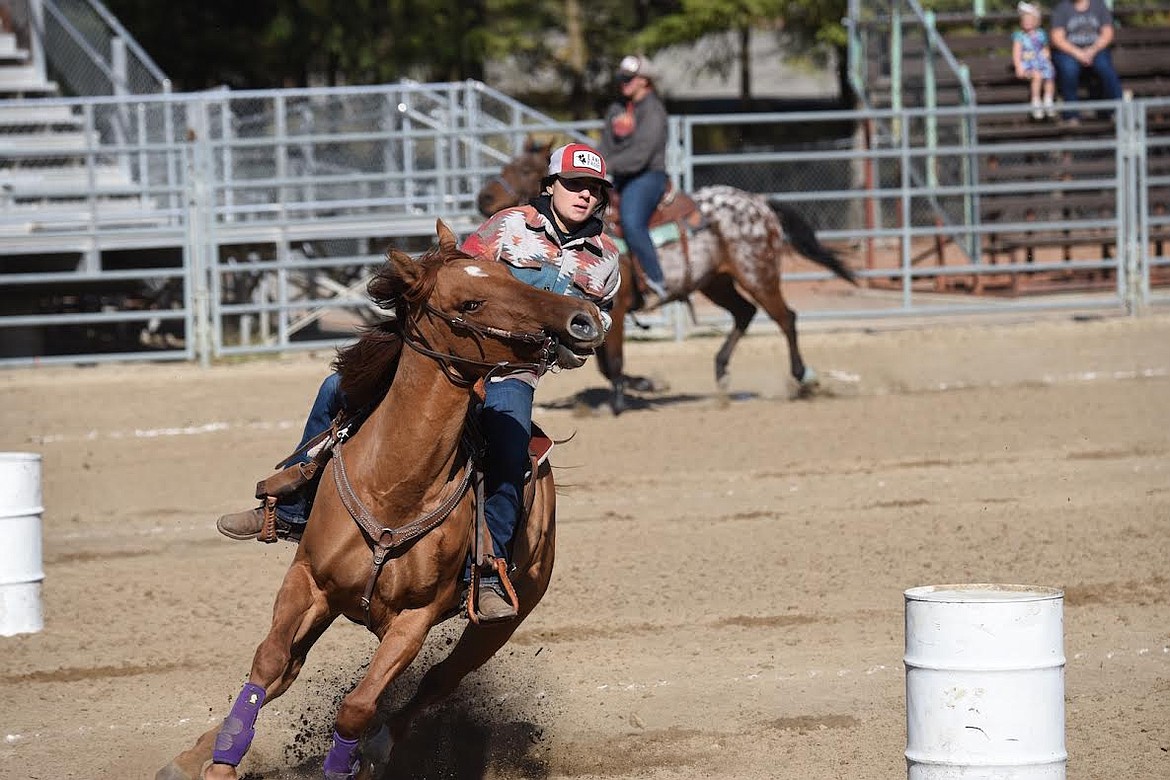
column 625, row 78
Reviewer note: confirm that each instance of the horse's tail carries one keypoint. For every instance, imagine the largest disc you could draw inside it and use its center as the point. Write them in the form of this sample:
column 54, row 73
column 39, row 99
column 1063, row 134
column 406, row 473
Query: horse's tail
column 804, row 239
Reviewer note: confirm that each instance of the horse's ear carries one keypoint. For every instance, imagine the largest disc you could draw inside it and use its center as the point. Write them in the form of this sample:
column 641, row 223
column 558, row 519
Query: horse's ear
column 400, row 274
column 447, row 240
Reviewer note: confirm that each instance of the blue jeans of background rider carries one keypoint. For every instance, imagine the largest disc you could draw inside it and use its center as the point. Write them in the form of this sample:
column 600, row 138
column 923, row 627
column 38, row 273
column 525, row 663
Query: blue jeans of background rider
column 507, row 426
column 1068, row 78
column 326, row 405
column 640, row 196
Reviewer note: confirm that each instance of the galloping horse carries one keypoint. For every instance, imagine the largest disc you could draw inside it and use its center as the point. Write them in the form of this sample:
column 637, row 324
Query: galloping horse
column 736, row 254
column 407, row 467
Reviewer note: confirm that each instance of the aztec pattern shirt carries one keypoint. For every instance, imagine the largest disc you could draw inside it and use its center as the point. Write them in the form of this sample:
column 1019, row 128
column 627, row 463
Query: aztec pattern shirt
column 583, row 264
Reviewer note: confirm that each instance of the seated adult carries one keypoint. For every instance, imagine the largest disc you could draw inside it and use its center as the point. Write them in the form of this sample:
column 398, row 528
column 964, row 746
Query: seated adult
column 1082, row 31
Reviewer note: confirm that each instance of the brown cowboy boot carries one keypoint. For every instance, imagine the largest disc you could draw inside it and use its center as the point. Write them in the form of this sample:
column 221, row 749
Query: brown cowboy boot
column 492, row 604
column 242, row 525
column 249, row 524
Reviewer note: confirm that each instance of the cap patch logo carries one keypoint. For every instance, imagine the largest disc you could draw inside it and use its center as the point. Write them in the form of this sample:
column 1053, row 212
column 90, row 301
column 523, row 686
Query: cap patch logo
column 583, row 158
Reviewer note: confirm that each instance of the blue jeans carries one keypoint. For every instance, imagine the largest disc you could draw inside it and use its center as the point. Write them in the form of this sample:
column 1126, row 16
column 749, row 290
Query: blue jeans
column 1068, row 78
column 326, row 405
column 640, row 196
column 507, row 426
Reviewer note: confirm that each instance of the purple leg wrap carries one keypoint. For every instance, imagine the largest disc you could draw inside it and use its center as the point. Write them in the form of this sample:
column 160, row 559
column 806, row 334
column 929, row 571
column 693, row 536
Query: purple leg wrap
column 343, row 761
column 235, row 735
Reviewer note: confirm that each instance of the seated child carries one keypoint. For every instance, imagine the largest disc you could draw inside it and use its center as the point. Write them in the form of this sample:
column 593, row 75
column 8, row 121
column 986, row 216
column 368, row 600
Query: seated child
column 1033, row 61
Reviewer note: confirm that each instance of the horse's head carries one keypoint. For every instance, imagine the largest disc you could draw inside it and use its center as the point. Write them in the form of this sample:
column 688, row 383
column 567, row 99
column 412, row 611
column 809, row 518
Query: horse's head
column 472, row 314
column 519, row 181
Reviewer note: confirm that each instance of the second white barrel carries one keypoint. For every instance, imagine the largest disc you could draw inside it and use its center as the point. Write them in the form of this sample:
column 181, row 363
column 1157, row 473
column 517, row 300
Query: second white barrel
column 985, row 683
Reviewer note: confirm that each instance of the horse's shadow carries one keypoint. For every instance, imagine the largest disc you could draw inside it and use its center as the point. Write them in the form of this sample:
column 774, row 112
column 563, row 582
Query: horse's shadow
column 485, row 727
column 455, row 743
column 598, row 400
column 452, row 743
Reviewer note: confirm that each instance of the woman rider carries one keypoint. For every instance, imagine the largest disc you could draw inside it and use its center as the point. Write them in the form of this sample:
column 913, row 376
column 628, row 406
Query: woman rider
column 556, row 243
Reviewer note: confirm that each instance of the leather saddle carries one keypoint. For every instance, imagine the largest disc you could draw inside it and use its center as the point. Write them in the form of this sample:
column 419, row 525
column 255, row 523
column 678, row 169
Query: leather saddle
column 297, row 476
column 676, row 217
column 675, row 207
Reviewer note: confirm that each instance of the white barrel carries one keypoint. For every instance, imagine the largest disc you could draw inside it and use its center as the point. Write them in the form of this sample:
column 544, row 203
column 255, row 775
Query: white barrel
column 21, row 570
column 985, row 683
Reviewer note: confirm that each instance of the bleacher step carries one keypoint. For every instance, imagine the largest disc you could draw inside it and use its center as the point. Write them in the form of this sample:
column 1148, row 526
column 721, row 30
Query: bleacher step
column 9, row 51
column 46, row 144
column 16, row 113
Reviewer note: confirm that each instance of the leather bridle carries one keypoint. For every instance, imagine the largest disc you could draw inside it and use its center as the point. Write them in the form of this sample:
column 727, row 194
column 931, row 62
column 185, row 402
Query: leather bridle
column 413, row 336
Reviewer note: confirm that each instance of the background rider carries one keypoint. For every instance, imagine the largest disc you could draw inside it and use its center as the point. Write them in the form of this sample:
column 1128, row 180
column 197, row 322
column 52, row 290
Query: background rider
column 633, row 141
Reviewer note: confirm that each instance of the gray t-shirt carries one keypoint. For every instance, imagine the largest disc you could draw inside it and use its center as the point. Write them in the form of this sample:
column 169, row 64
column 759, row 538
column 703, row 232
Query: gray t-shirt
column 1081, row 28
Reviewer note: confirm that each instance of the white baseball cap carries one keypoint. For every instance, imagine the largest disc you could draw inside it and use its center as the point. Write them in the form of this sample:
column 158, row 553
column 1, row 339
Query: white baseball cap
column 635, row 65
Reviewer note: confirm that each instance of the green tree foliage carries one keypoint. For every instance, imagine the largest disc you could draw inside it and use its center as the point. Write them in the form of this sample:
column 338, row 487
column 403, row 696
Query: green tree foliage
column 806, row 24
column 280, row 43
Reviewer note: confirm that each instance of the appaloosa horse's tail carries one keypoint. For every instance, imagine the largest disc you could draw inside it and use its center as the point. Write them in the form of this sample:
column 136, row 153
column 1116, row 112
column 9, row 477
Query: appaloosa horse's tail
column 804, row 240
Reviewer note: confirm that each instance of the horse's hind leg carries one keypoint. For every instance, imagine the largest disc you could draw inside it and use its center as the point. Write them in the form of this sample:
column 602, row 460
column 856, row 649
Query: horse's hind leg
column 476, row 645
column 721, row 291
column 772, row 300
column 299, row 617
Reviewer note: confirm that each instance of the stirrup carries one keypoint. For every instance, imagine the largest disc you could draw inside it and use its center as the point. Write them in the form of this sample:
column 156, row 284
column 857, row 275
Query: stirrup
column 274, row 528
column 509, row 594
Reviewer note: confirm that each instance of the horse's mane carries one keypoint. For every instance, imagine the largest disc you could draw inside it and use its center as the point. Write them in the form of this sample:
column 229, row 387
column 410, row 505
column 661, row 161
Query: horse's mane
column 367, row 367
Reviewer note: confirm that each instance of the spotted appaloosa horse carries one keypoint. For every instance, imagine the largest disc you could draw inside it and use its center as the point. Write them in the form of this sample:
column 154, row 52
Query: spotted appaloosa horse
column 408, row 466
column 734, row 261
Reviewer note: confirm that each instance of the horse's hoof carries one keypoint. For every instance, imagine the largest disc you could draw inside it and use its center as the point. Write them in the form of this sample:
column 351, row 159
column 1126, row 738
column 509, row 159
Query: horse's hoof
column 214, row 771
column 172, row 772
column 377, row 747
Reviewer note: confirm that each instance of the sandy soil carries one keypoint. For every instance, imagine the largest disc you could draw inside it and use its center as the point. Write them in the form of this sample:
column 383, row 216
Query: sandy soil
column 728, row 596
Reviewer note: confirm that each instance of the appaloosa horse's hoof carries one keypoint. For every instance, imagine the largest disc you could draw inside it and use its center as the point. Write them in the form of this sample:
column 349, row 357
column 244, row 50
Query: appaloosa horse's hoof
column 809, row 384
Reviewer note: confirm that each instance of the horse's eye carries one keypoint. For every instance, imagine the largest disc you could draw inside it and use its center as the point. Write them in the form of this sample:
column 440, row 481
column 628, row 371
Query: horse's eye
column 470, row 307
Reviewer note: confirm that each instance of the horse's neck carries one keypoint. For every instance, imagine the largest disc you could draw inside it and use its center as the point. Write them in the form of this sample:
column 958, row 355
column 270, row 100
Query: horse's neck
column 404, row 452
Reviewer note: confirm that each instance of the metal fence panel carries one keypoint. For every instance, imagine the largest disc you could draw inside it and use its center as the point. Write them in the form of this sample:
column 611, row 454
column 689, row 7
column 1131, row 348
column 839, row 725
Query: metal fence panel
column 224, row 223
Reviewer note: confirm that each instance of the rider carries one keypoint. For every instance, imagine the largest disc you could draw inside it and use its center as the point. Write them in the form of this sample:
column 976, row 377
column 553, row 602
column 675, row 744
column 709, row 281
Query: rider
column 633, row 140
column 556, row 243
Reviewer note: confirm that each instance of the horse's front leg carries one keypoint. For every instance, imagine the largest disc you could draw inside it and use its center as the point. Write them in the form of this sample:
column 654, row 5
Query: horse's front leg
column 399, row 646
column 721, row 291
column 299, row 617
column 612, row 363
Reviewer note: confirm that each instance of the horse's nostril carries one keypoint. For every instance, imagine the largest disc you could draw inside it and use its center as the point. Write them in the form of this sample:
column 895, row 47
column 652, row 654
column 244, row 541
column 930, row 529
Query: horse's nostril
column 583, row 327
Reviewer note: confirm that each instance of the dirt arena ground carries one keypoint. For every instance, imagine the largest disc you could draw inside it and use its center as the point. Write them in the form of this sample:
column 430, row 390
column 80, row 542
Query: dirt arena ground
column 728, row 596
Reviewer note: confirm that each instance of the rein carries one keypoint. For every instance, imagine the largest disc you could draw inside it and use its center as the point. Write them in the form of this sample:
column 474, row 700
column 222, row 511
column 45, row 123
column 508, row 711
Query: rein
column 414, row 338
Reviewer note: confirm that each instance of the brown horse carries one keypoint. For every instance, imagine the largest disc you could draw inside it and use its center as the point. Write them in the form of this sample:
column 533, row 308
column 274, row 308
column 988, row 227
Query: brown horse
column 734, row 261
column 462, row 319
